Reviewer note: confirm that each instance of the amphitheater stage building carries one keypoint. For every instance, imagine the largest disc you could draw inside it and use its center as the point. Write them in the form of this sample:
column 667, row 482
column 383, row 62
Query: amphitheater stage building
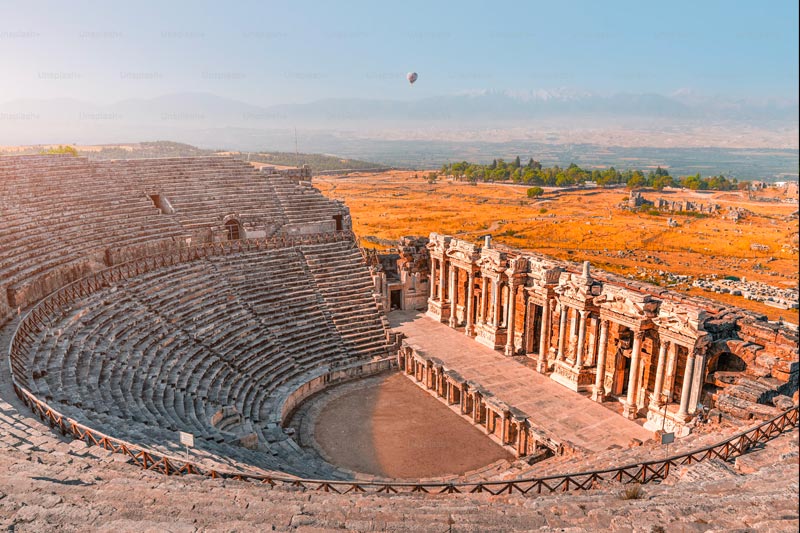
column 517, row 406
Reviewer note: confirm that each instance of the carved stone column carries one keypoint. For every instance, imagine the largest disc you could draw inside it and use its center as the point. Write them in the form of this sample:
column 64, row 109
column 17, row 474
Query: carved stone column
column 659, row 385
column 496, row 297
column 573, row 335
column 599, row 381
column 562, row 331
column 581, row 339
column 544, row 338
column 687, row 386
column 484, row 299
column 592, row 324
column 453, row 296
column 522, row 440
column 630, row 408
column 510, row 322
column 470, row 328
column 433, row 277
column 442, row 278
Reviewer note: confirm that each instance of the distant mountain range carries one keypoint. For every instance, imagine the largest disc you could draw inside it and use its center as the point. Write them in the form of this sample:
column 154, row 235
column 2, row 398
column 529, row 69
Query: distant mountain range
column 204, row 109
column 395, row 131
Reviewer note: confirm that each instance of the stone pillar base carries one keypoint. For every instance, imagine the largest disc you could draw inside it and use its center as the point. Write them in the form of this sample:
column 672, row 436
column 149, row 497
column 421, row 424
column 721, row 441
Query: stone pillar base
column 673, row 423
column 629, row 411
column 599, row 395
column 491, row 336
column 439, row 311
column 576, row 379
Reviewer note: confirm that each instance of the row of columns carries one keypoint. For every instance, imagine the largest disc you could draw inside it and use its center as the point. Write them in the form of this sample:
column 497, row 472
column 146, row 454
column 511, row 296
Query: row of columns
column 666, row 366
column 513, row 432
column 573, row 335
column 448, row 278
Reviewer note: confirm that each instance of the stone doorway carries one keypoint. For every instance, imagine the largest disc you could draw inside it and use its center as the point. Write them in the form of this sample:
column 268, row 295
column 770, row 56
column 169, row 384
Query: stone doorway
column 233, row 230
column 622, row 372
column 396, row 299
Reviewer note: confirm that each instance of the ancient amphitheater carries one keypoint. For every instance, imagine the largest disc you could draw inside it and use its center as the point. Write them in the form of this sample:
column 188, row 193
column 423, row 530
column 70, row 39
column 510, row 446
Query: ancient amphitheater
column 141, row 300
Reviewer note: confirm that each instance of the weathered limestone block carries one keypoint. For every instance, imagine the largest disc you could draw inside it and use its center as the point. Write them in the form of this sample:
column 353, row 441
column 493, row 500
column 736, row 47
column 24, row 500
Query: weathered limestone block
column 766, row 360
column 720, row 328
column 744, row 409
column 722, row 378
column 116, row 255
column 759, row 371
column 782, row 402
column 757, row 332
column 786, row 337
column 35, row 288
column 785, row 370
column 5, row 309
column 783, row 351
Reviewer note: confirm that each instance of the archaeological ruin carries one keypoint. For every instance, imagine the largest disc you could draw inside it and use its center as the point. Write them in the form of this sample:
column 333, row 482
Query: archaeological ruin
column 143, row 300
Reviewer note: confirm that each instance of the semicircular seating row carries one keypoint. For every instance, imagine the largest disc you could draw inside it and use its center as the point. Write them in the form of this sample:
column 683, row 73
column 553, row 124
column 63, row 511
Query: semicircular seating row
column 62, row 217
column 212, row 347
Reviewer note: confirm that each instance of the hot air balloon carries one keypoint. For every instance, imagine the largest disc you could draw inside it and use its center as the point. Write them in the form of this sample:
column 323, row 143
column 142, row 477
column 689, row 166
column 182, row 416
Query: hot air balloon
column 412, row 77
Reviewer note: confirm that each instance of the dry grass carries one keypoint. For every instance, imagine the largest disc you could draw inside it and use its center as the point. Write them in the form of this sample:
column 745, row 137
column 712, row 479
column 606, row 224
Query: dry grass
column 633, row 491
column 581, row 226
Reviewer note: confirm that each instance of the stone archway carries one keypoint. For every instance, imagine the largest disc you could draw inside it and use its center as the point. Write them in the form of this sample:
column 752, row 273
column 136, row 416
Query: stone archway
column 726, row 362
column 233, row 230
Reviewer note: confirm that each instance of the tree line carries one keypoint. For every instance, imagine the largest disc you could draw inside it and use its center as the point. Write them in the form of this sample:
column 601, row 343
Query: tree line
column 534, row 173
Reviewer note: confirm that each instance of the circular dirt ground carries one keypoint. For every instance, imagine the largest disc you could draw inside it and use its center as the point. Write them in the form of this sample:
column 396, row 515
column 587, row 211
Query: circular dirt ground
column 393, row 428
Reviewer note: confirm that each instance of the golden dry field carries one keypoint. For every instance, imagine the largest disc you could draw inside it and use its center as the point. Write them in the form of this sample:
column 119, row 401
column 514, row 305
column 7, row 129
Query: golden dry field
column 584, row 225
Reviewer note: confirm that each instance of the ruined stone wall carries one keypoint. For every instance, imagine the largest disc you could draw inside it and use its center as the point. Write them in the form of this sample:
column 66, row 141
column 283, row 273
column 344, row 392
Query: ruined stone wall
column 610, row 336
column 407, row 269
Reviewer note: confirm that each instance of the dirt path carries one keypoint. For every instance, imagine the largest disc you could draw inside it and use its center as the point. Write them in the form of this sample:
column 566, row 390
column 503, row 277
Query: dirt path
column 393, row 428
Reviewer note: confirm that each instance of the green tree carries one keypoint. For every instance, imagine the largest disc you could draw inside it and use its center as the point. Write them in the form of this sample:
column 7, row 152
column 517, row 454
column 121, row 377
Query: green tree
column 62, row 149
column 636, row 180
column 535, row 192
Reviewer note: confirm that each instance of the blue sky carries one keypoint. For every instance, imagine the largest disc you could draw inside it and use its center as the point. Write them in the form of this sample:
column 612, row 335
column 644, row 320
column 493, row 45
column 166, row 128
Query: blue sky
column 292, row 52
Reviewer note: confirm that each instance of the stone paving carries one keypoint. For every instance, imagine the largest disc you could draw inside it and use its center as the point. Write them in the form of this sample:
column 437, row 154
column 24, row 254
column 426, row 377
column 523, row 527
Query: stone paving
column 562, row 412
column 48, row 484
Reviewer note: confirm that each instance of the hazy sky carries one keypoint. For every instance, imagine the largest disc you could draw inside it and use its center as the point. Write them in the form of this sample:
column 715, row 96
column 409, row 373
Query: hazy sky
column 279, row 52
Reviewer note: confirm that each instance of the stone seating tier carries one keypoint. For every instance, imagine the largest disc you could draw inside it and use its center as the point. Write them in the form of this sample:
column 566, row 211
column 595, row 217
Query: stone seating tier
column 65, row 217
column 169, row 350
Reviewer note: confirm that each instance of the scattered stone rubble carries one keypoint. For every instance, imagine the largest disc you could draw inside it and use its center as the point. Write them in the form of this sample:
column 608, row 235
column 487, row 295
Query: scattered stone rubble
column 636, row 200
column 752, row 290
